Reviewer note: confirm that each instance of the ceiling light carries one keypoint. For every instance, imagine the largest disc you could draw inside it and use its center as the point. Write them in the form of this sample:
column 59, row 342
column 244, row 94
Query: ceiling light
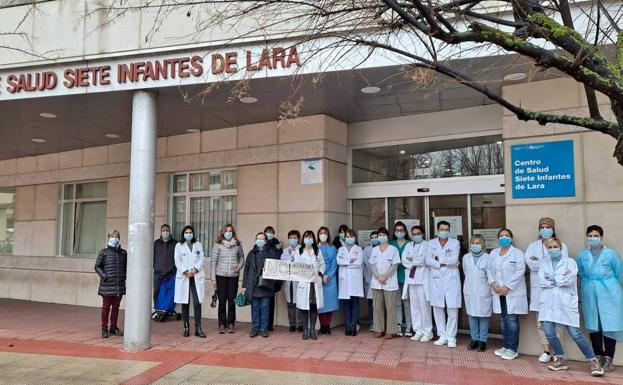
column 402, row 151
column 370, row 90
column 248, row 99
column 47, row 115
column 498, row 142
column 192, row 130
column 112, row 136
column 37, row 140
column 516, row 76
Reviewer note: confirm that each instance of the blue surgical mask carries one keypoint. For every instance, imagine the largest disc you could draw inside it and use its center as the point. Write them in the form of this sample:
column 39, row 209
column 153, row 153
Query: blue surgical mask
column 382, row 239
column 418, row 238
column 113, row 241
column 308, row 242
column 342, row 235
column 228, row 235
column 270, row 236
column 375, row 241
column 593, row 241
column 400, row 234
column 165, row 234
column 505, row 241
column 546, row 232
column 554, row 254
column 189, row 237
column 475, row 248
column 349, row 241
column 444, row 234
column 293, row 242
column 260, row 243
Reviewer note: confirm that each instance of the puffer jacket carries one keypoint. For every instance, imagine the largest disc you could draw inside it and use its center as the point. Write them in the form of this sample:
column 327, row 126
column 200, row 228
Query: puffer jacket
column 225, row 259
column 111, row 265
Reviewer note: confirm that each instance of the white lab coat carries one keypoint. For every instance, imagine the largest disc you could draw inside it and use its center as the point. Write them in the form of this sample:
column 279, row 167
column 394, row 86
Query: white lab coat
column 445, row 281
column 186, row 259
column 508, row 270
column 537, row 249
column 559, row 303
column 414, row 256
column 302, row 289
column 476, row 290
column 289, row 287
column 383, row 260
column 367, row 272
column 350, row 274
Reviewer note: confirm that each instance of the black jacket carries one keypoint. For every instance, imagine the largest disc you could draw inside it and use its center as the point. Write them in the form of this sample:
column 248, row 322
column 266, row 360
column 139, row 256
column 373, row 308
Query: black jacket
column 164, row 261
column 253, row 272
column 111, row 265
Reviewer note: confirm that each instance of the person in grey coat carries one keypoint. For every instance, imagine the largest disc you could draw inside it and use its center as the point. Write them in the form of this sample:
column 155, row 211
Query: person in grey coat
column 111, row 265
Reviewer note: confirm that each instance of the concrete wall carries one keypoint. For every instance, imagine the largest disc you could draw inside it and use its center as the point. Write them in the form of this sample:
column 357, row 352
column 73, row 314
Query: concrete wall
column 267, row 157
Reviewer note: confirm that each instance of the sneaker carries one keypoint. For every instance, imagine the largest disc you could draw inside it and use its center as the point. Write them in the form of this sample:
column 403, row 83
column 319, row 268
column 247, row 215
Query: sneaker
column 231, row 329
column 482, row 346
column 292, row 329
column 545, row 358
column 300, row 329
column 417, row 337
column 114, row 331
column 221, row 329
column 105, row 333
column 409, row 334
column 452, row 343
column 441, row 341
column 509, row 355
column 560, row 363
column 606, row 363
column 499, row 352
column 399, row 334
column 264, row 333
column 473, row 344
column 595, row 368
column 253, row 333
column 426, row 338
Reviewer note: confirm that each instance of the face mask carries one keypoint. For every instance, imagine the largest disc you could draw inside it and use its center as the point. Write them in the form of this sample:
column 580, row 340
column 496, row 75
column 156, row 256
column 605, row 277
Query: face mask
column 165, row 234
column 293, row 242
column 475, row 248
column 444, row 234
column 375, row 241
column 418, row 238
column 228, row 235
column 350, row 241
column 113, row 241
column 270, row 236
column 308, row 242
column 554, row 254
column 189, row 237
column 546, row 232
column 382, row 238
column 505, row 241
column 260, row 243
column 323, row 237
column 342, row 235
column 400, row 234
column 593, row 241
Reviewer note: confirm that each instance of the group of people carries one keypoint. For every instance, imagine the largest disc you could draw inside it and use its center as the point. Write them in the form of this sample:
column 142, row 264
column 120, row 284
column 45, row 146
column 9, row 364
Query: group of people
column 408, row 282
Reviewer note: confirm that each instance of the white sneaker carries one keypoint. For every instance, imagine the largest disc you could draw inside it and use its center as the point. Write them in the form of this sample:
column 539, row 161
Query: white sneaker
column 417, row 337
column 441, row 341
column 426, row 338
column 452, row 343
column 509, row 355
column 499, row 352
column 545, row 358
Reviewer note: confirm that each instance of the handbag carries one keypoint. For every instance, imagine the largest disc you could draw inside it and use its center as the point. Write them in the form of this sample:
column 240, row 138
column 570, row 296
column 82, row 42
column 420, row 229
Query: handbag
column 241, row 300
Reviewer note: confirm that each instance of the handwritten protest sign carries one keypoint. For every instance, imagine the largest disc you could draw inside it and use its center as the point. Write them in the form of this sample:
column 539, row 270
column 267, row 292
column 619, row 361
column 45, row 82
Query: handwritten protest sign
column 289, row 271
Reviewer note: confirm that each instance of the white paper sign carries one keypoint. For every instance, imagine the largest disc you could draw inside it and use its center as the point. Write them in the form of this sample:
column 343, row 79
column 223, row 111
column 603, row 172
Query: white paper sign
column 490, row 236
column 363, row 237
column 289, row 271
column 456, row 224
column 311, row 171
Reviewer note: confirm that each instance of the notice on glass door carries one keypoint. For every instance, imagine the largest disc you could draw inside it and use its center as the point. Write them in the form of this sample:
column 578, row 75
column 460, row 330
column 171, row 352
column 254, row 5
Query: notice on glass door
column 456, row 224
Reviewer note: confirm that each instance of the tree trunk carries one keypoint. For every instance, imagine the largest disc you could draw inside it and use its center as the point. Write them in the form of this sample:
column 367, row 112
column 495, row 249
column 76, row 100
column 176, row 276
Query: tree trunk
column 617, row 108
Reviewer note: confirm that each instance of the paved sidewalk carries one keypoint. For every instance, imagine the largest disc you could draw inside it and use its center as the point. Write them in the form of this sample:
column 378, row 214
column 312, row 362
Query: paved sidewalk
column 60, row 344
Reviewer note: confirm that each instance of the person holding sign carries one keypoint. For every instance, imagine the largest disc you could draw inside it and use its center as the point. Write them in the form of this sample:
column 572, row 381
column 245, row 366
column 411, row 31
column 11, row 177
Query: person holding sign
column 309, row 294
column 329, row 284
column 350, row 261
column 445, row 284
column 384, row 265
column 289, row 292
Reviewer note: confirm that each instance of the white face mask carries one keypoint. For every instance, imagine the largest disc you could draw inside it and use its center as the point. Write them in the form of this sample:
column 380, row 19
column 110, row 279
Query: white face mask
column 323, row 237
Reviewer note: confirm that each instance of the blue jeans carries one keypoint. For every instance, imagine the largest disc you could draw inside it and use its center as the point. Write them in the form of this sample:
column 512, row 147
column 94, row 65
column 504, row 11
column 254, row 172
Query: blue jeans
column 351, row 311
column 259, row 313
column 550, row 332
column 479, row 328
column 510, row 327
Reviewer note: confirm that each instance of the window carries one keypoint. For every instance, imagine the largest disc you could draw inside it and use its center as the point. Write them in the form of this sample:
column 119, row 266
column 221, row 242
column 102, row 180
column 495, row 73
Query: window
column 7, row 218
column 205, row 200
column 83, row 218
column 426, row 160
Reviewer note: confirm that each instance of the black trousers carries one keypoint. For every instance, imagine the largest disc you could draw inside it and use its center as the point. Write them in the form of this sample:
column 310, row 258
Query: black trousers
column 196, row 305
column 602, row 345
column 227, row 289
column 271, row 312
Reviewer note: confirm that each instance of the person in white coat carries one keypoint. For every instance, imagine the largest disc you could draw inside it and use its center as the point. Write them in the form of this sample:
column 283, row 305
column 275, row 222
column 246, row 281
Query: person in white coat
column 510, row 294
column 350, row 280
column 190, row 278
column 534, row 253
column 367, row 275
column 384, row 265
column 309, row 294
column 416, row 285
column 558, row 305
column 445, row 284
column 477, row 293
column 290, row 287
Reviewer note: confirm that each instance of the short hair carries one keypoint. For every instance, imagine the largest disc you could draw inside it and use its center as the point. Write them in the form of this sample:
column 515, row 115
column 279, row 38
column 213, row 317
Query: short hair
column 417, row 227
column 269, row 228
column 507, row 230
column 294, row 232
column 480, row 238
column 374, row 232
column 114, row 233
column 165, row 225
column 382, row 230
column 441, row 223
column 260, row 233
column 597, row 228
column 553, row 240
column 352, row 233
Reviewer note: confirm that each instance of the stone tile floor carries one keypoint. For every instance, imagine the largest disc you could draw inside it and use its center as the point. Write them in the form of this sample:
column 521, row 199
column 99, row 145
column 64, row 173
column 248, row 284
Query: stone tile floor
column 44, row 343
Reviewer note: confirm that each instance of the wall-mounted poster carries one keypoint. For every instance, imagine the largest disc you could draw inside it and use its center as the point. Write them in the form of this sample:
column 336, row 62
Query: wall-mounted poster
column 311, row 171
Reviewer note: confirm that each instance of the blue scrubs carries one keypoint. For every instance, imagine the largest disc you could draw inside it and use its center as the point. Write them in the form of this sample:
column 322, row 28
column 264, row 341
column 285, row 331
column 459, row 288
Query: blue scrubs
column 329, row 291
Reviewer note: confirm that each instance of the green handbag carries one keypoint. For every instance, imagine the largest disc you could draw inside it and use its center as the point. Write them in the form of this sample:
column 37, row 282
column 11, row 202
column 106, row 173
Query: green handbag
column 242, row 300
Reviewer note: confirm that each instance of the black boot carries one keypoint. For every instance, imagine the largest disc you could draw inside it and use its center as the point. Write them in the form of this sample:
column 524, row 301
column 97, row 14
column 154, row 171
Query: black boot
column 114, row 331
column 353, row 330
column 305, row 314
column 199, row 332
column 186, row 330
column 313, row 315
column 104, row 332
column 347, row 330
column 482, row 346
column 472, row 345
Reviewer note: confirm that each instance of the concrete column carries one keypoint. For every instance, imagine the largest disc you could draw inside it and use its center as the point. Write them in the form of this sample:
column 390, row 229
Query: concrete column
column 141, row 222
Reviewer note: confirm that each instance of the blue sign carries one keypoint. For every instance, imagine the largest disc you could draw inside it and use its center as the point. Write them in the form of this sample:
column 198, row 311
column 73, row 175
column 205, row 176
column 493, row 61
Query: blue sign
column 542, row 170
